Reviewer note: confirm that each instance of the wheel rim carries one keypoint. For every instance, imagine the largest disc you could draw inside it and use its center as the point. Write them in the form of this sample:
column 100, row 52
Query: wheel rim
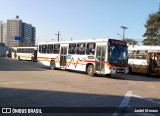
column 90, row 71
column 52, row 65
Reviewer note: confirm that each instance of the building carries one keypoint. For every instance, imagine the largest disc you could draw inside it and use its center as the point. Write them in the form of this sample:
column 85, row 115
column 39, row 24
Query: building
column 15, row 27
column 3, row 32
column 28, row 34
column 34, row 36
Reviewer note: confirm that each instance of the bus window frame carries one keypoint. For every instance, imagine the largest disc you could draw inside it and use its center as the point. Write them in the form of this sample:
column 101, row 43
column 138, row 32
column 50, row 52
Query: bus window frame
column 90, row 51
column 81, row 50
column 55, row 49
column 72, row 48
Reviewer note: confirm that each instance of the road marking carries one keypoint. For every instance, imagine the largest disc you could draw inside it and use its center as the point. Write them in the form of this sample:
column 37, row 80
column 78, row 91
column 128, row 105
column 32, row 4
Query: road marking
column 126, row 99
column 147, row 99
column 124, row 103
column 22, row 82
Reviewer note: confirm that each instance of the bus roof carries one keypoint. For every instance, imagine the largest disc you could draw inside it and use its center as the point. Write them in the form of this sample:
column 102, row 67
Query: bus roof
column 24, row 47
column 76, row 41
column 145, row 48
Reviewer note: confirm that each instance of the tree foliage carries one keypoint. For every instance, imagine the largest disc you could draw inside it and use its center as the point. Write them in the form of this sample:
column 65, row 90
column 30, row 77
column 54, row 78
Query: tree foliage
column 152, row 32
column 130, row 41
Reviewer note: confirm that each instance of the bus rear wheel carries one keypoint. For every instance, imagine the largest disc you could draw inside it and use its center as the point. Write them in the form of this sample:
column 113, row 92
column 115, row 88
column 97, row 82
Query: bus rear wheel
column 19, row 58
column 32, row 59
column 90, row 70
column 53, row 65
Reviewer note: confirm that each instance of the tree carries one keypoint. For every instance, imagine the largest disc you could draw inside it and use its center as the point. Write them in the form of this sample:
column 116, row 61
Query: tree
column 152, row 32
column 130, row 41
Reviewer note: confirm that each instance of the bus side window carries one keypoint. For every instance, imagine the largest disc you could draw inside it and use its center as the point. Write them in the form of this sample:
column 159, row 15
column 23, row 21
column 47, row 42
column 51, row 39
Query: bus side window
column 18, row 50
column 44, row 48
column 31, row 50
column 81, row 48
column 23, row 51
column 72, row 48
column 90, row 49
column 26, row 50
column 56, row 48
column 40, row 48
column 50, row 48
column 131, row 54
column 146, row 54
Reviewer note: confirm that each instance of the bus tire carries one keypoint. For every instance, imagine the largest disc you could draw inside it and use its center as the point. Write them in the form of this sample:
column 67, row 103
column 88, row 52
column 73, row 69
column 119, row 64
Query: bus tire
column 52, row 65
column 90, row 70
column 130, row 70
column 32, row 59
column 19, row 58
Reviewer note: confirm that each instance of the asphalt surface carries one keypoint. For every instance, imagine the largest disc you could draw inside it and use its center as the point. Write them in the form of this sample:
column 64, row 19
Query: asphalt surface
column 28, row 84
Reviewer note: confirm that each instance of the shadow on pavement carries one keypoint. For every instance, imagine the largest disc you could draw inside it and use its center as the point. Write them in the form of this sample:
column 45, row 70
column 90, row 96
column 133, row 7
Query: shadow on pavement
column 70, row 102
column 133, row 77
column 8, row 64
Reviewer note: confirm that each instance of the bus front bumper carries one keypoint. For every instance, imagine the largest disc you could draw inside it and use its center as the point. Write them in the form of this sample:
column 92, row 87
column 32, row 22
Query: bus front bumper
column 118, row 70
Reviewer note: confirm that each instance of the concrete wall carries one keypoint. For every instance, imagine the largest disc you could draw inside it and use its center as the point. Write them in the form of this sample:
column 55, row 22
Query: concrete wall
column 3, row 50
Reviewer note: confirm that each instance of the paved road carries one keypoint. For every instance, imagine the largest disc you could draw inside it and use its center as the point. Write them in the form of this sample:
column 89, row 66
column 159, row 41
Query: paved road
column 28, row 84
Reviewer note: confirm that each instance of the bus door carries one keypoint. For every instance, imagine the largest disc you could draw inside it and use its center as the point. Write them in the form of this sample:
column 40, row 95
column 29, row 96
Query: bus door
column 35, row 55
column 15, row 53
column 100, row 59
column 154, row 63
column 158, row 64
column 63, row 56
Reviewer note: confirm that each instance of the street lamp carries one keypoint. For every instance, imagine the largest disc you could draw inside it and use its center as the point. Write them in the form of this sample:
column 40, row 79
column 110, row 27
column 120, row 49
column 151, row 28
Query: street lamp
column 123, row 27
column 119, row 35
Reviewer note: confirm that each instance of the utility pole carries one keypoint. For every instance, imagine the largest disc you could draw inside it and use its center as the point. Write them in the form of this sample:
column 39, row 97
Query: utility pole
column 124, row 28
column 58, row 35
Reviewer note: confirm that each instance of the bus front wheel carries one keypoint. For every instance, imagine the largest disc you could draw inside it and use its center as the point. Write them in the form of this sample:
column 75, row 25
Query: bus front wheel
column 130, row 70
column 90, row 70
column 52, row 65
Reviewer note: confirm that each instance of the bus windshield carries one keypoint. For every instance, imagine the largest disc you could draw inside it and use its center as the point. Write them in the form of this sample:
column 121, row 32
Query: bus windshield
column 118, row 54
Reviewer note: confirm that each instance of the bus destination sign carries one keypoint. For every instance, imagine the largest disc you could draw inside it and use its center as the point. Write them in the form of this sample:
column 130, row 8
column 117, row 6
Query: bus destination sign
column 117, row 42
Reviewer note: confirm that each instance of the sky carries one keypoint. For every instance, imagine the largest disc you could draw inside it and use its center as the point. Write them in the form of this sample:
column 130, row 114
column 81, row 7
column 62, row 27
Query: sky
column 81, row 19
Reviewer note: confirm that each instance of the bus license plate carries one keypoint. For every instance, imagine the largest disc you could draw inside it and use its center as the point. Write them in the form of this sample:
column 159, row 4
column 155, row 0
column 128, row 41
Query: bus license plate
column 120, row 71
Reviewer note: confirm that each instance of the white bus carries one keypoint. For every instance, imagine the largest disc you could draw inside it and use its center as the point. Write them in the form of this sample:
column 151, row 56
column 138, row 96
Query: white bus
column 144, row 59
column 24, row 53
column 105, row 57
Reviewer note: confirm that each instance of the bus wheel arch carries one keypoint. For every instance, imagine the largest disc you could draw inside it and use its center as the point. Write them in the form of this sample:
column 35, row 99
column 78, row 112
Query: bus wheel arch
column 90, row 69
column 52, row 65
